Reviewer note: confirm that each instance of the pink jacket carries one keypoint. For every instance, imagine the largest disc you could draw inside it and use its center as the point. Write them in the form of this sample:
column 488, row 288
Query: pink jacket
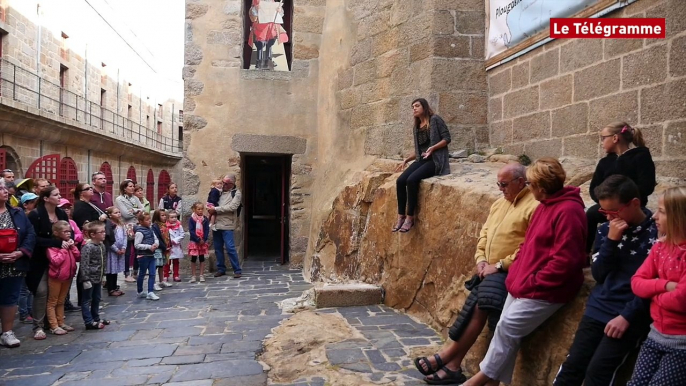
column 668, row 309
column 78, row 235
column 63, row 262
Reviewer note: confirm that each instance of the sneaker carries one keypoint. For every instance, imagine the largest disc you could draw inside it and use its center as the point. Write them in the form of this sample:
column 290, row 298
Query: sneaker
column 27, row 320
column 202, row 278
column 142, row 294
column 152, row 296
column 71, row 308
column 157, row 287
column 192, row 279
column 166, row 284
column 9, row 340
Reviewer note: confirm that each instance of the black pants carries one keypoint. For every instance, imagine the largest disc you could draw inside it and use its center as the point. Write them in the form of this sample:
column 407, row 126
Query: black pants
column 407, row 185
column 594, row 358
column 593, row 217
column 111, row 281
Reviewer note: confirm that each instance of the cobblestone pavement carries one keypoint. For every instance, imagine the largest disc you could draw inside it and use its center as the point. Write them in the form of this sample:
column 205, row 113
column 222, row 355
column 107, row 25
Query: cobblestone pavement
column 206, row 334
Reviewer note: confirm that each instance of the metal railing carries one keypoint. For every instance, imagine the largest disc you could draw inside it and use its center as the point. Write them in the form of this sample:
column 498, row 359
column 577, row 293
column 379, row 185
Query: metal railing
column 26, row 87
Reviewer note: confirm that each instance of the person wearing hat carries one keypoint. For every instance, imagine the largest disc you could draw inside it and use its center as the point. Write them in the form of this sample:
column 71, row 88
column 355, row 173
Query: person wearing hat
column 28, row 202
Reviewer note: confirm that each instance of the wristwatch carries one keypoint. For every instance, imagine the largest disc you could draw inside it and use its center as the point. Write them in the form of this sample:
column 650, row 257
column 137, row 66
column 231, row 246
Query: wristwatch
column 499, row 266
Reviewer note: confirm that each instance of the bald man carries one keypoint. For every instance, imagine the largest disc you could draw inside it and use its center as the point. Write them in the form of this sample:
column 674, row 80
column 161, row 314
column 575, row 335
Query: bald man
column 496, row 249
column 225, row 224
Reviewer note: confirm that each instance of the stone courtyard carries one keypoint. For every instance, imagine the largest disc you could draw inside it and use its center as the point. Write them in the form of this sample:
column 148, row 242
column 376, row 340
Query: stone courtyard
column 211, row 334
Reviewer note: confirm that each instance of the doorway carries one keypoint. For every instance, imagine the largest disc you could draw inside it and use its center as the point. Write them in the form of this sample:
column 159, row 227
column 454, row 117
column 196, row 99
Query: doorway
column 266, row 187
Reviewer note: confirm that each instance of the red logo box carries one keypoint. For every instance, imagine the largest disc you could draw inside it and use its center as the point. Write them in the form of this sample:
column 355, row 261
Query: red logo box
column 600, row 28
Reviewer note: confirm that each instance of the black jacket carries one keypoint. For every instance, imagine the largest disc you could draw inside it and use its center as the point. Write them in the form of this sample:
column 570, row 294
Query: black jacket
column 44, row 239
column 636, row 163
column 490, row 294
column 84, row 212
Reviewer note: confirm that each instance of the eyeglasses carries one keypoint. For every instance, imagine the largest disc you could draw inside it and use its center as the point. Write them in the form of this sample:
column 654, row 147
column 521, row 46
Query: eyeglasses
column 602, row 137
column 504, row 185
column 612, row 212
column 88, row 188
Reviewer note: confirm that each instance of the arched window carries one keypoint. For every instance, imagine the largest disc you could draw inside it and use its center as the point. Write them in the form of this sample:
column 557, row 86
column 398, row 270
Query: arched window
column 45, row 167
column 10, row 160
column 107, row 170
column 131, row 174
column 162, row 184
column 150, row 188
column 68, row 178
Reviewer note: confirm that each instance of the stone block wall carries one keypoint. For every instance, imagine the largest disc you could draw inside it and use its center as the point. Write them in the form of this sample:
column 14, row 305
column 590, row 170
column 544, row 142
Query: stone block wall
column 222, row 100
column 20, row 47
column 554, row 100
column 404, row 50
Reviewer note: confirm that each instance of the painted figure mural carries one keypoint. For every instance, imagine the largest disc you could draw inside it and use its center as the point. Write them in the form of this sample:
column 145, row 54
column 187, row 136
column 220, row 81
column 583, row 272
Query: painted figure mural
column 267, row 31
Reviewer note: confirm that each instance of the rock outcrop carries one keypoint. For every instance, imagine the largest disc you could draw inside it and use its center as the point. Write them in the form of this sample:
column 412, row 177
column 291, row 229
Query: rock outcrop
column 423, row 271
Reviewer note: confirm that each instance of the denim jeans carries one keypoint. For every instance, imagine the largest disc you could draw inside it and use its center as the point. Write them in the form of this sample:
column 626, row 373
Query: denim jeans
column 146, row 264
column 25, row 301
column 225, row 239
column 90, row 304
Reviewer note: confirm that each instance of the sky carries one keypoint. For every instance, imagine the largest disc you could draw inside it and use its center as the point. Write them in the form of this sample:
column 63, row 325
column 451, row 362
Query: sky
column 159, row 26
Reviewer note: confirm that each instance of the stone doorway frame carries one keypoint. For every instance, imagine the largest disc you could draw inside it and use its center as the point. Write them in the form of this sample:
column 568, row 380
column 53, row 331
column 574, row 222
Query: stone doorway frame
column 267, row 145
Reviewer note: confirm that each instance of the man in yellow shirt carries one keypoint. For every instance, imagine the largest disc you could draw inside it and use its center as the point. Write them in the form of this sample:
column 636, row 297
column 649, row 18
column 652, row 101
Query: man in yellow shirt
column 496, row 249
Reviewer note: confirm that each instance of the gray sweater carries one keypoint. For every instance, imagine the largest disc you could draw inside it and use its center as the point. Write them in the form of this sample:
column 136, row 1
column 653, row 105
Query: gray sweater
column 129, row 208
column 438, row 131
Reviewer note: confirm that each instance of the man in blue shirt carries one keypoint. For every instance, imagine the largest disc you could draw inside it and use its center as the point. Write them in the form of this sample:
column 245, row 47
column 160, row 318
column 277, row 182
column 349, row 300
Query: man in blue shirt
column 616, row 321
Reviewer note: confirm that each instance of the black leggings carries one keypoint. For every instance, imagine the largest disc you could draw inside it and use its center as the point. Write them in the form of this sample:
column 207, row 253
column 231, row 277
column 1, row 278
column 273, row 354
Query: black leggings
column 593, row 217
column 111, row 281
column 407, row 185
column 200, row 257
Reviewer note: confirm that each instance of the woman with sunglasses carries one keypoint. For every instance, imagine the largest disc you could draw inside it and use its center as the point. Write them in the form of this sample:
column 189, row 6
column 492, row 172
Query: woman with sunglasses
column 84, row 211
column 627, row 155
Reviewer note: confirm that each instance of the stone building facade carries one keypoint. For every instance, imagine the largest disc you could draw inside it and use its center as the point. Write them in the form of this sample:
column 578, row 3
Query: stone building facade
column 553, row 100
column 66, row 114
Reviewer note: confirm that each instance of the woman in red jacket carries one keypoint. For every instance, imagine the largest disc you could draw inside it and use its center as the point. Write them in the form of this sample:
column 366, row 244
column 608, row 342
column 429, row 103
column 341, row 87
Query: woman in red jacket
column 547, row 272
column 662, row 279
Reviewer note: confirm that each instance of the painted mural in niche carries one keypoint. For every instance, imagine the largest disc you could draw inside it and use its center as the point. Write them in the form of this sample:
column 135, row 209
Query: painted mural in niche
column 268, row 36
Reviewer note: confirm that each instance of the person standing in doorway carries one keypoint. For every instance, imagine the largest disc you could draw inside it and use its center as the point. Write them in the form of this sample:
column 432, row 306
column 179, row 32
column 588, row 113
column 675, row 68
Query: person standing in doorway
column 227, row 218
column 100, row 198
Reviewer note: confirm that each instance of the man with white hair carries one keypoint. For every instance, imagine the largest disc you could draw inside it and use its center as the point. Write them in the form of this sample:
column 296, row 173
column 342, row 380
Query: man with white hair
column 227, row 219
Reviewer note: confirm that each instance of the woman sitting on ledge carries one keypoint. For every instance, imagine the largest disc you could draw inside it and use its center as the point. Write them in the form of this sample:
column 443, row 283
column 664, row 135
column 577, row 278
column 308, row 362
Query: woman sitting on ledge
column 431, row 139
column 546, row 274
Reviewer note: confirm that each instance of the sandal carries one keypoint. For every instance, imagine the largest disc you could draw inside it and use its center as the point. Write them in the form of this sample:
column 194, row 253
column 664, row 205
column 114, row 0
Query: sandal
column 105, row 322
column 399, row 224
column 58, row 331
column 39, row 334
column 450, row 378
column 67, row 328
column 95, row 326
column 425, row 360
column 116, row 293
column 407, row 226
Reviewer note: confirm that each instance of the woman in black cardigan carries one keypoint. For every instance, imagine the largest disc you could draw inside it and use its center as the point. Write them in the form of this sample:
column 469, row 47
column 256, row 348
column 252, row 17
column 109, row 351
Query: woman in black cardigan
column 431, row 139
column 84, row 211
column 633, row 162
column 42, row 218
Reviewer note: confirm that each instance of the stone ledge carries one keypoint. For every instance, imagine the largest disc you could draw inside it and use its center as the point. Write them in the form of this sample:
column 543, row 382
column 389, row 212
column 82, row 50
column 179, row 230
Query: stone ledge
column 271, row 144
column 347, row 295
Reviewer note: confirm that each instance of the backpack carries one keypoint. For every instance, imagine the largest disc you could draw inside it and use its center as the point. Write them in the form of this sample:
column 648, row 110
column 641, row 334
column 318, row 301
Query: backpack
column 240, row 206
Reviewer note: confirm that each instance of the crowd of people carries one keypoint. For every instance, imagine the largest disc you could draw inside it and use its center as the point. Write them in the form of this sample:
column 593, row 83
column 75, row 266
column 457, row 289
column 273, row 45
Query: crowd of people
column 533, row 248
column 48, row 244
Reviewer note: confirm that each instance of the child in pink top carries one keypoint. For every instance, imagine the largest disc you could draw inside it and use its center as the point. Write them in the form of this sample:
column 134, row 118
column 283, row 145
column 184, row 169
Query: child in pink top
column 662, row 279
column 62, row 270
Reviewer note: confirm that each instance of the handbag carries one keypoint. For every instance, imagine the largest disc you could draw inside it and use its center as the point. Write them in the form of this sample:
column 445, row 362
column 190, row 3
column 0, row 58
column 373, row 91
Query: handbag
column 9, row 240
column 130, row 234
